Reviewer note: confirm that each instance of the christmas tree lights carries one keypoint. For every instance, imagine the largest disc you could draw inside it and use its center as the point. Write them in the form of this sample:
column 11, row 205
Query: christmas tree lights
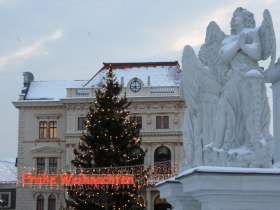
column 110, row 140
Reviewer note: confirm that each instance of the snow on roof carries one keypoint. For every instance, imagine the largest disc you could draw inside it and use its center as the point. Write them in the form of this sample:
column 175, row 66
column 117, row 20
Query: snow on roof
column 141, row 60
column 51, row 90
column 161, row 73
column 8, row 171
column 152, row 72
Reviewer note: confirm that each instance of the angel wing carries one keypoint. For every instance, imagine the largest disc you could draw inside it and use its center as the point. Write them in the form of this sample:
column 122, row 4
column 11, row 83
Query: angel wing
column 267, row 37
column 209, row 51
column 202, row 72
column 191, row 71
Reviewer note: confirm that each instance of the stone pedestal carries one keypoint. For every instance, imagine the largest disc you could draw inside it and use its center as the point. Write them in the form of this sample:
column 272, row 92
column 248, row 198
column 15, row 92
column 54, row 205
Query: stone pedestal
column 274, row 78
column 223, row 188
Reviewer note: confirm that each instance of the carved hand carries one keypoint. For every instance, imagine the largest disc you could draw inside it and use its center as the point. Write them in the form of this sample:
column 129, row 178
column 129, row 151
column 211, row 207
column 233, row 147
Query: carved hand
column 242, row 39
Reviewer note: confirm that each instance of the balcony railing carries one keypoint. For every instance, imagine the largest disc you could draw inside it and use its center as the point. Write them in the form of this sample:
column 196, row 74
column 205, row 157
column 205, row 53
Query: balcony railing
column 144, row 92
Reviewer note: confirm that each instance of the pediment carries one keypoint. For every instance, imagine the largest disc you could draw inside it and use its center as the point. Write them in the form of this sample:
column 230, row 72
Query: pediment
column 46, row 150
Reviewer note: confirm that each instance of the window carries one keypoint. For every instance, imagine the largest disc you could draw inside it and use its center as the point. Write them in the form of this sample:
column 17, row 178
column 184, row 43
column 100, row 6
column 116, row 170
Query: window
column 40, row 165
column 48, row 129
column 5, row 199
column 52, row 164
column 47, row 163
column 162, row 159
column 137, row 119
column 53, row 129
column 81, row 123
column 51, row 202
column 162, row 122
column 43, row 129
column 40, row 202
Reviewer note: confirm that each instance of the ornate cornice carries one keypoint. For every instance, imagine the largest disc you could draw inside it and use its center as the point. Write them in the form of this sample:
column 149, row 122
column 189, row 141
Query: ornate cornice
column 150, row 134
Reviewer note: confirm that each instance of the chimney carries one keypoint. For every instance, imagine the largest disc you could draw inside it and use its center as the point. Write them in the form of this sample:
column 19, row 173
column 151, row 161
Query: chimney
column 27, row 79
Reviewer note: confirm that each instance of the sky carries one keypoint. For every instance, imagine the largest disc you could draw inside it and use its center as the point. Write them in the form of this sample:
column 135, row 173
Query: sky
column 70, row 39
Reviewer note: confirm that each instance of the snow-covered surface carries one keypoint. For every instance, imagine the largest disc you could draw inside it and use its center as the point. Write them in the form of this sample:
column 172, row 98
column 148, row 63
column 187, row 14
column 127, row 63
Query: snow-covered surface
column 51, row 90
column 159, row 76
column 173, row 180
column 254, row 73
column 276, row 165
column 215, row 169
column 141, row 60
column 8, row 171
column 156, row 76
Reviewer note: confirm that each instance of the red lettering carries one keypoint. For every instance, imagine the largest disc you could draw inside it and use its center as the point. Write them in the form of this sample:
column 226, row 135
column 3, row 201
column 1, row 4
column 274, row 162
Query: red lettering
column 92, row 180
column 130, row 180
column 96, row 179
column 65, row 179
column 75, row 180
column 45, row 179
column 99, row 180
column 25, row 178
column 117, row 179
column 110, row 179
column 53, row 180
column 84, row 179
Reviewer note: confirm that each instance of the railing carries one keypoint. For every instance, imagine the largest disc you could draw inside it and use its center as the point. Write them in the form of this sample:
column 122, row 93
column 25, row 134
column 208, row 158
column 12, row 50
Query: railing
column 144, row 92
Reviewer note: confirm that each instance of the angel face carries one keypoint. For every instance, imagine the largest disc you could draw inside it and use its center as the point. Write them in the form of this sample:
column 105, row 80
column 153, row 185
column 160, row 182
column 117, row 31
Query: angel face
column 242, row 18
column 238, row 22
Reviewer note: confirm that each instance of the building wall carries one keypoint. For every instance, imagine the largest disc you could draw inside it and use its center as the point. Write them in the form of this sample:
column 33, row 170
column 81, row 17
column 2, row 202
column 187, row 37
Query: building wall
column 66, row 112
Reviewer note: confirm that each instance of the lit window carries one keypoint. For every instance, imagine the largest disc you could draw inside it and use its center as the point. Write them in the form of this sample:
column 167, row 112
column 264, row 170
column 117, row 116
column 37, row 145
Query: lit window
column 81, row 123
column 48, row 129
column 40, row 202
column 137, row 119
column 162, row 122
column 53, row 129
column 162, row 158
column 51, row 202
column 52, row 164
column 5, row 199
column 43, row 129
column 40, row 165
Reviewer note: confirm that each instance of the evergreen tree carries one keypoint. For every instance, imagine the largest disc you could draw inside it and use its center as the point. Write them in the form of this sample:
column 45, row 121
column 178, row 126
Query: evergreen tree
column 110, row 144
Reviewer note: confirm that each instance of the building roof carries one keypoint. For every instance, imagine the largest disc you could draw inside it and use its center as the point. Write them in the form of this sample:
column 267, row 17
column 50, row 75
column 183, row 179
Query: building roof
column 51, row 90
column 8, row 170
column 150, row 73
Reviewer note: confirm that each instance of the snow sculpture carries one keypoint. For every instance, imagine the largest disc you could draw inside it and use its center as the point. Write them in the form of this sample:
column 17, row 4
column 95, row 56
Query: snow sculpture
column 227, row 118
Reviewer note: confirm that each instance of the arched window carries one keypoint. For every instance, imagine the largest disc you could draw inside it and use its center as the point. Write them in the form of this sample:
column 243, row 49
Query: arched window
column 40, row 202
column 162, row 158
column 161, row 204
column 51, row 202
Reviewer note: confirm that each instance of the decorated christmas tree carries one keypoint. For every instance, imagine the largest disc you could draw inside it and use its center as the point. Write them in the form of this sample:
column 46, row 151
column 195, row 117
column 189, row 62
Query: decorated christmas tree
column 110, row 145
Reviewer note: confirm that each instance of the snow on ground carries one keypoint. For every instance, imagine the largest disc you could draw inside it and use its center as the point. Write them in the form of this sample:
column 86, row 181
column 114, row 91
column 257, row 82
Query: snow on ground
column 8, row 171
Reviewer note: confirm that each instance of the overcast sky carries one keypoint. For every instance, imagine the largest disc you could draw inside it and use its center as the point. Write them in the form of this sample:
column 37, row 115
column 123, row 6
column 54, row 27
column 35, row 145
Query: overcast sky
column 70, row 39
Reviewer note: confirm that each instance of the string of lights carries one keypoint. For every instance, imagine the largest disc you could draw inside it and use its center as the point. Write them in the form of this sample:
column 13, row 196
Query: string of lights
column 160, row 171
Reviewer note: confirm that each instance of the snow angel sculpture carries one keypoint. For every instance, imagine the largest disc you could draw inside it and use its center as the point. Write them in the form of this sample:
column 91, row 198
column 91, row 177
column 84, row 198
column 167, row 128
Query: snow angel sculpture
column 227, row 117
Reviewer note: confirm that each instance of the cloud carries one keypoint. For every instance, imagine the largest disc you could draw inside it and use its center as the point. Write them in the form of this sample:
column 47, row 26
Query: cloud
column 269, row 1
column 195, row 35
column 35, row 48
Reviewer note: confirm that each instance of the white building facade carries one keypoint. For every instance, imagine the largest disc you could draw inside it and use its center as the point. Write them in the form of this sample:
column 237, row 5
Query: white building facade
column 51, row 115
